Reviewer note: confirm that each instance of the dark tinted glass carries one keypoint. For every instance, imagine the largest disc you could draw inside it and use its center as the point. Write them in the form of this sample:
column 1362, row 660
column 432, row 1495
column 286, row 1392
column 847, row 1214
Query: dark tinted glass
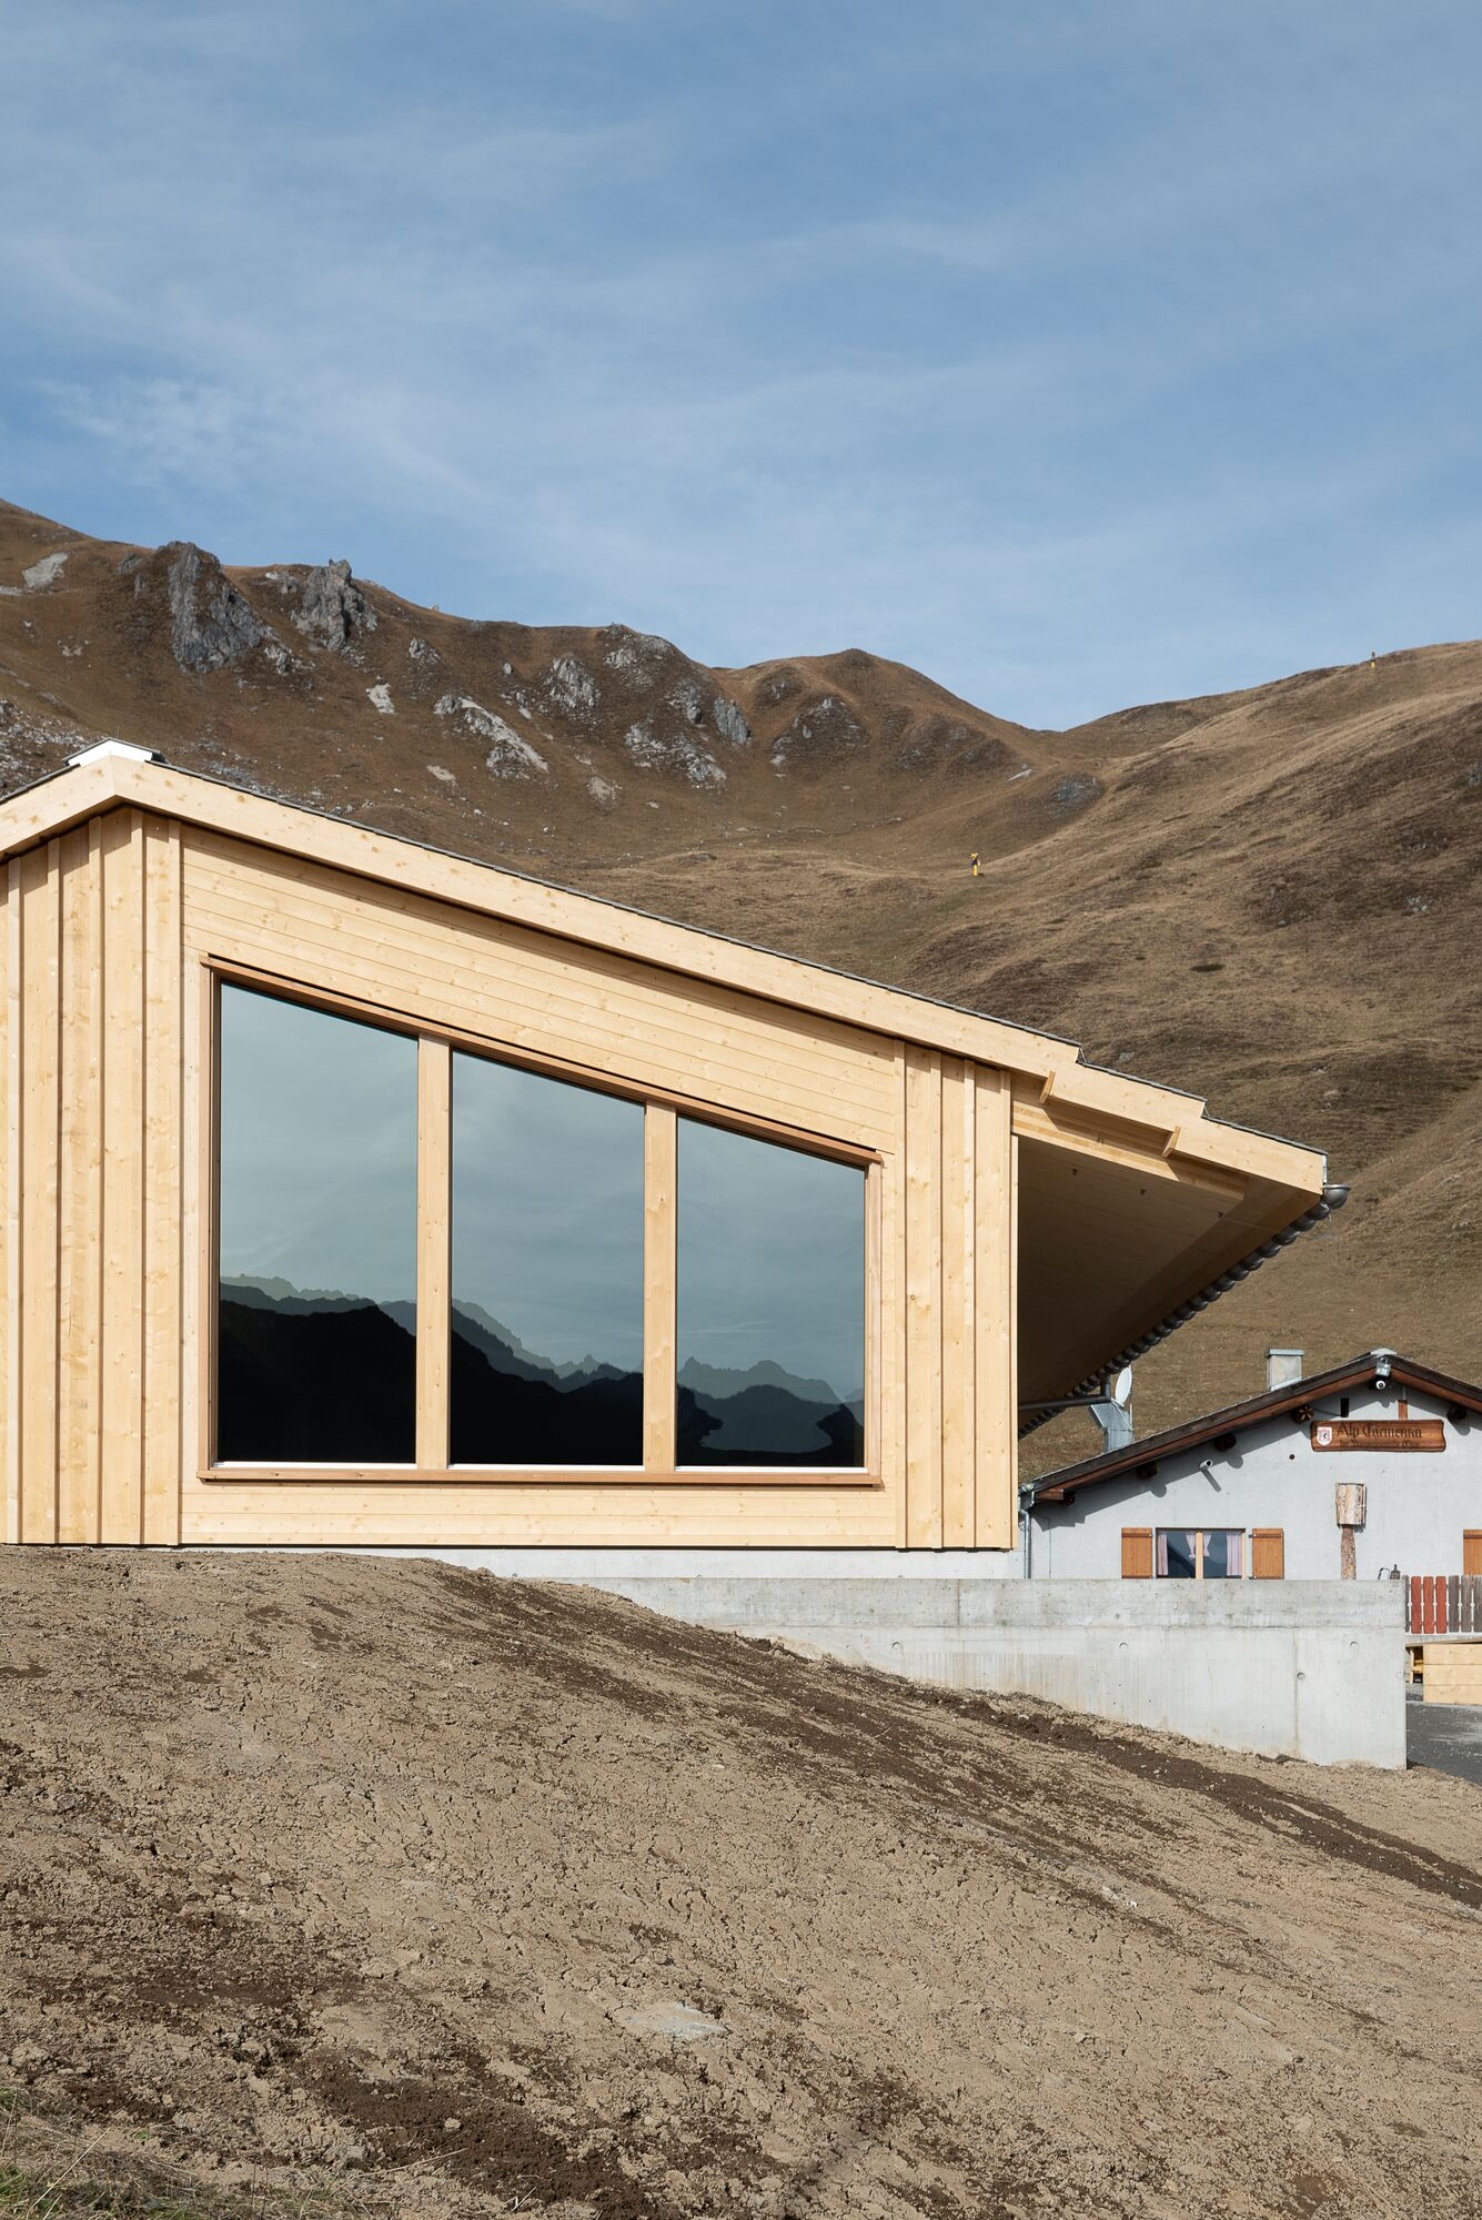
column 318, row 1246
column 547, row 1271
column 771, row 1304
column 1179, row 1549
column 1221, row 1554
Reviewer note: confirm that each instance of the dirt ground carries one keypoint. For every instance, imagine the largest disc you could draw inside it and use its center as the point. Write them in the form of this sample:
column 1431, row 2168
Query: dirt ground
column 356, row 1886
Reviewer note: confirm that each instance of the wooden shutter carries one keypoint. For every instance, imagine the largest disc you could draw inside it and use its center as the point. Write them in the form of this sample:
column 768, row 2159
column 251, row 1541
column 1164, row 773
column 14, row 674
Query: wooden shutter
column 1268, row 1553
column 1137, row 1553
column 1471, row 1553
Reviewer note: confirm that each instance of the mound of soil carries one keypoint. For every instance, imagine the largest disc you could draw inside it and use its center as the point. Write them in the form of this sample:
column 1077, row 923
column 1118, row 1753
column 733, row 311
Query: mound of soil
column 403, row 1889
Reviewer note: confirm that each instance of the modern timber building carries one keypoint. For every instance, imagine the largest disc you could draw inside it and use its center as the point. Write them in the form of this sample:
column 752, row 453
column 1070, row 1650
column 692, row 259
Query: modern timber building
column 359, row 1194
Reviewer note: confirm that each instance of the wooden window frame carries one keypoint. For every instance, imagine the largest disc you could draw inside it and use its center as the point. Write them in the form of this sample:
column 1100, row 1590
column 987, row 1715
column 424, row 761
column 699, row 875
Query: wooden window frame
column 1199, row 1533
column 662, row 1110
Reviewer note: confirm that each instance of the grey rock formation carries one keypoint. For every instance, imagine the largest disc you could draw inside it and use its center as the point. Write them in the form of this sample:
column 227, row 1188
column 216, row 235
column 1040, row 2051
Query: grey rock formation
column 626, row 650
column 510, row 754
column 688, row 697
column 730, row 721
column 570, row 687
column 212, row 624
column 673, row 752
column 333, row 611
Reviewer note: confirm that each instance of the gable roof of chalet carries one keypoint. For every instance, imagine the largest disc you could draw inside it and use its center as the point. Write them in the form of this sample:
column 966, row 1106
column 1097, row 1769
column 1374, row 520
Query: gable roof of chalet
column 1133, row 1157
column 114, row 775
column 1140, row 1459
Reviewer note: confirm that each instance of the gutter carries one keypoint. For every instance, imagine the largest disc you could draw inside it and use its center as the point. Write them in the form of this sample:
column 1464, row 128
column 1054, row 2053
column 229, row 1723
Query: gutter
column 1093, row 1386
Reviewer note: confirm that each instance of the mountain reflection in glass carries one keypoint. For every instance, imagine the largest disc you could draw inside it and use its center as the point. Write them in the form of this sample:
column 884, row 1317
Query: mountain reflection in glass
column 316, row 1350
column 547, row 1271
column 771, row 1304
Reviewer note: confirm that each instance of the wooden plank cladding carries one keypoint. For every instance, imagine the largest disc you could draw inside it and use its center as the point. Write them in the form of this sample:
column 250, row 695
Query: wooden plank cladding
column 512, row 985
column 92, row 1306
column 960, row 1258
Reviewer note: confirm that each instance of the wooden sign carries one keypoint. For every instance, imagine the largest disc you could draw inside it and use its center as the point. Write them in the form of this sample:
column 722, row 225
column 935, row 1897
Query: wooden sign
column 1378, row 1433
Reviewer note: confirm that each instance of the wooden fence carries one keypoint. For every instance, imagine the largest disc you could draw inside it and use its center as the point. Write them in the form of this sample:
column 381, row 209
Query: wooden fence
column 1443, row 1603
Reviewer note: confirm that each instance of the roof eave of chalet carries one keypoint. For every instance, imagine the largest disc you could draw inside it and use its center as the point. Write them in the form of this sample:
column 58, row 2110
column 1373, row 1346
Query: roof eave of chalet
column 1140, row 1459
column 1168, row 1120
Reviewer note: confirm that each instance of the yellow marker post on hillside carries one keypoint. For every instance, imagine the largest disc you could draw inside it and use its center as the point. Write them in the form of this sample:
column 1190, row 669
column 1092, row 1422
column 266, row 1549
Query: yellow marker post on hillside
column 973, row 859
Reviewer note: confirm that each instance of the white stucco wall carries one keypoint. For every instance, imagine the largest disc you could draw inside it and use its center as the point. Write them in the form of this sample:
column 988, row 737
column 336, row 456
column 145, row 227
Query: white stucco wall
column 1419, row 1502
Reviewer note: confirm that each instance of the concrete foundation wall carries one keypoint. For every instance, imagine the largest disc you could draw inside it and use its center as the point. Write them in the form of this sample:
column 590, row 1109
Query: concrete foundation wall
column 1309, row 1669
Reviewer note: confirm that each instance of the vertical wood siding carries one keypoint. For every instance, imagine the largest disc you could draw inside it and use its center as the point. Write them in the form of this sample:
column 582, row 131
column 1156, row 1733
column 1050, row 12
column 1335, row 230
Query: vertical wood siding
column 107, row 1162
column 92, row 1310
column 961, row 1398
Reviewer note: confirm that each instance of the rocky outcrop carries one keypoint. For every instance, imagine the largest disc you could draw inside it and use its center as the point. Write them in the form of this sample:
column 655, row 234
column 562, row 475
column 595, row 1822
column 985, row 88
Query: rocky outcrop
column 212, row 623
column 570, row 688
column 637, row 652
column 333, row 611
column 672, row 752
column 510, row 755
column 730, row 720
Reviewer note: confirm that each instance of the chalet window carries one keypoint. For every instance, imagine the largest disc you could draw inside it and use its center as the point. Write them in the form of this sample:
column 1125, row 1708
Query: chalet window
column 547, row 1356
column 317, row 1212
column 771, row 1303
column 1203, row 1553
column 431, row 1259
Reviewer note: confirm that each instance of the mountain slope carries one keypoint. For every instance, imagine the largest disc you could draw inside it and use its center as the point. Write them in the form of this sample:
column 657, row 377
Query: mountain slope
column 1269, row 897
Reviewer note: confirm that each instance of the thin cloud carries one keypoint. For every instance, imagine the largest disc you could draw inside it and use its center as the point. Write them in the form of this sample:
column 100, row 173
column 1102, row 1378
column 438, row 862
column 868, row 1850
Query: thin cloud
column 1073, row 355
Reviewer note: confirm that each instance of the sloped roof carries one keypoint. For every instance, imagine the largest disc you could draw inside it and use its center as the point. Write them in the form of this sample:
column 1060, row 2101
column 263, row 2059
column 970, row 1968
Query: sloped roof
column 1140, row 1459
column 115, row 774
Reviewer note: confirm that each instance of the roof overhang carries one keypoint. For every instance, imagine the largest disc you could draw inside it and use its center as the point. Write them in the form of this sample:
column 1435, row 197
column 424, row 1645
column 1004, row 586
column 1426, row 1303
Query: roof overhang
column 1140, row 1459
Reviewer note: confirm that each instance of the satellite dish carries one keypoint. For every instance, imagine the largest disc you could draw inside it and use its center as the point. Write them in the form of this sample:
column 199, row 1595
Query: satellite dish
column 1122, row 1386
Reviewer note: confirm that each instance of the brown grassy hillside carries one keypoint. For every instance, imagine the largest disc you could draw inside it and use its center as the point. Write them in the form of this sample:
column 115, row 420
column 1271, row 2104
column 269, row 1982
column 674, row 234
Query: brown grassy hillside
column 1269, row 897
column 382, row 1888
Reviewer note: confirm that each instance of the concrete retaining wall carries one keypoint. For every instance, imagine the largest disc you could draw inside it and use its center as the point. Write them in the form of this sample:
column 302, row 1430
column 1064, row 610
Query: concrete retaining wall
column 1297, row 1668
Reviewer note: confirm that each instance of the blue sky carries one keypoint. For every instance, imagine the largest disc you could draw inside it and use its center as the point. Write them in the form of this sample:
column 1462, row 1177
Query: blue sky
column 1080, row 354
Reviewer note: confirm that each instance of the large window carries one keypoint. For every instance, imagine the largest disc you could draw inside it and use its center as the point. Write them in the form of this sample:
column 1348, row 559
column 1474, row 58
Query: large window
column 770, row 1303
column 432, row 1260
column 316, row 1350
column 547, row 1357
